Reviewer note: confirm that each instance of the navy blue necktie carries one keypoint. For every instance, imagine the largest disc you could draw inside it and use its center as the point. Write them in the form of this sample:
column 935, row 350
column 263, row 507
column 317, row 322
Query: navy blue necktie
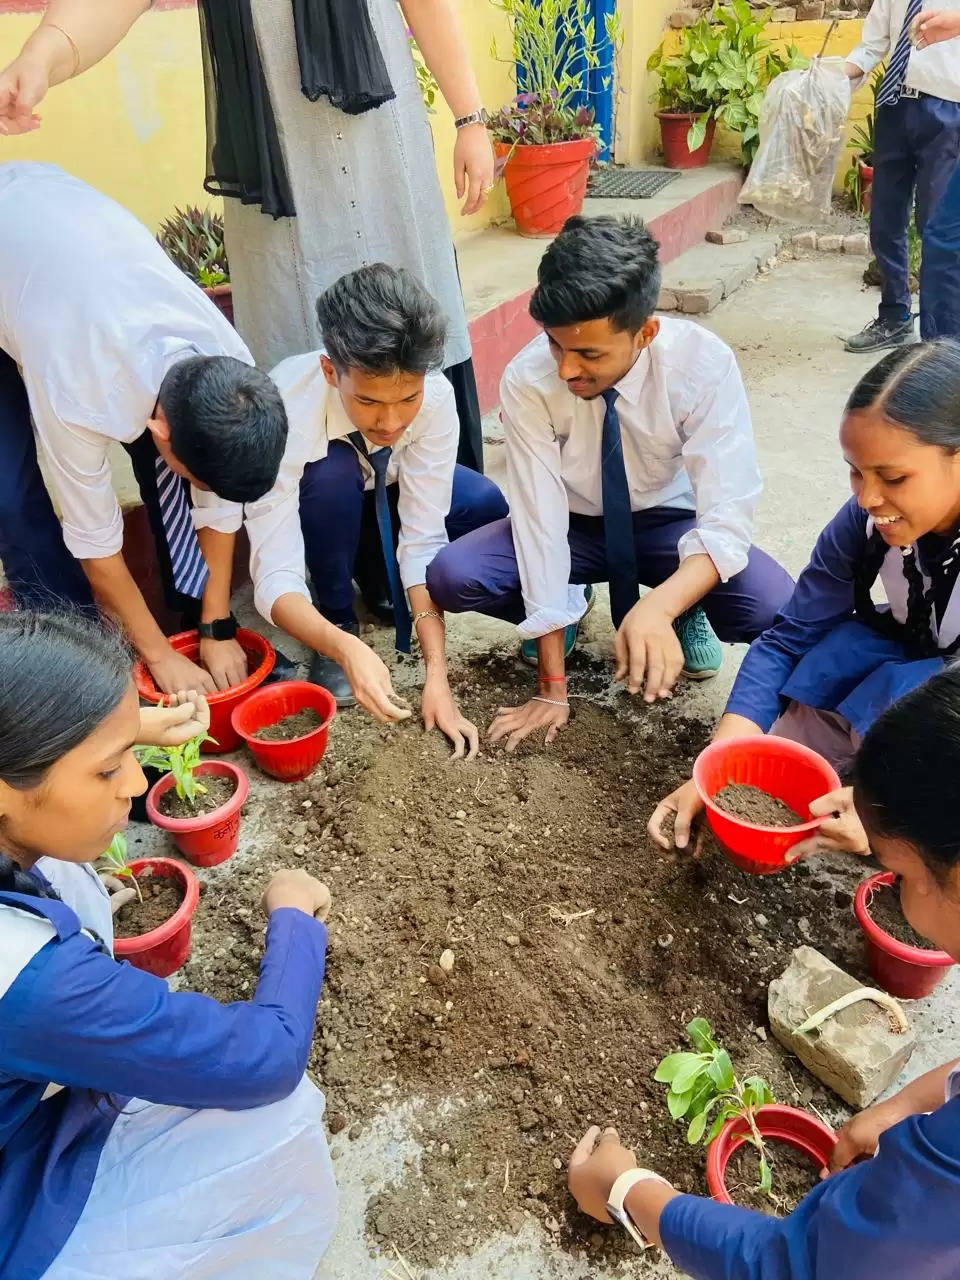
column 379, row 461
column 896, row 73
column 617, row 518
column 187, row 564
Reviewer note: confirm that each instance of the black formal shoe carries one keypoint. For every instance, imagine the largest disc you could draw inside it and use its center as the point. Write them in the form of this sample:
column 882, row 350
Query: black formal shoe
column 880, row 334
column 330, row 675
column 283, row 669
column 381, row 609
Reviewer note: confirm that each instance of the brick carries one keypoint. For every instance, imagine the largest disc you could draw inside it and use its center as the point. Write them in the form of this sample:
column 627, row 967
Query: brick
column 830, row 243
column 684, row 18
column 805, row 240
column 728, row 235
column 694, row 297
column 856, row 1053
column 859, row 244
column 811, row 11
column 784, row 14
column 667, row 300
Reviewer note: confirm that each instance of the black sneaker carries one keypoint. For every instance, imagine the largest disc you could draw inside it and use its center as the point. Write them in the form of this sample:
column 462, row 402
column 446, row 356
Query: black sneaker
column 880, row 334
column 330, row 676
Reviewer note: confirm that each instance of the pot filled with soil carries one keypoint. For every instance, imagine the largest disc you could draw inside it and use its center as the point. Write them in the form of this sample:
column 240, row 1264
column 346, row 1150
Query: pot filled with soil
column 206, row 833
column 154, row 934
column 757, row 792
column 900, row 960
column 260, row 660
column 797, row 1145
column 285, row 727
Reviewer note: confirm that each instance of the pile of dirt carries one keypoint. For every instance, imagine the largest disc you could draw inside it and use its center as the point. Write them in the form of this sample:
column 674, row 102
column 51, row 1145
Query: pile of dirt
column 216, row 792
column 885, row 910
column 161, row 898
column 297, row 725
column 751, row 804
column 580, row 952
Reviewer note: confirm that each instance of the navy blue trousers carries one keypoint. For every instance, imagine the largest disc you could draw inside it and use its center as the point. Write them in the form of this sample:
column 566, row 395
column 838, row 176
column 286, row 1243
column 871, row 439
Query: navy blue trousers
column 940, row 307
column 917, row 150
column 340, row 534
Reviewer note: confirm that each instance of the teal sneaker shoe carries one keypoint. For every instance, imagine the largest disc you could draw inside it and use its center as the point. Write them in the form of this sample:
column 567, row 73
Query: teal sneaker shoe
column 528, row 649
column 702, row 651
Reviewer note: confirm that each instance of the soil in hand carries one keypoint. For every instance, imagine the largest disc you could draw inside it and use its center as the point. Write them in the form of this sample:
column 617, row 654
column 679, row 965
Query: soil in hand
column 161, row 898
column 756, row 806
column 297, row 725
column 794, row 1175
column 218, row 791
column 885, row 910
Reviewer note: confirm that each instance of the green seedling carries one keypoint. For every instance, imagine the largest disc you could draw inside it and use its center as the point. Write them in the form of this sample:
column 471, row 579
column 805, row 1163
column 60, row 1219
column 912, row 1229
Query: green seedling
column 705, row 1090
column 182, row 762
column 113, row 862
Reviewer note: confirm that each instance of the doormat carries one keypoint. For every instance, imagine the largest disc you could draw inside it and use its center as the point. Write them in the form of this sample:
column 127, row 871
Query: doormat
column 629, row 184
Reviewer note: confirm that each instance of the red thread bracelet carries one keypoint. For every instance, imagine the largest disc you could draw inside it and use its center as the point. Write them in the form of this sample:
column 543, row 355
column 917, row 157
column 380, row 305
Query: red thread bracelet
column 552, row 679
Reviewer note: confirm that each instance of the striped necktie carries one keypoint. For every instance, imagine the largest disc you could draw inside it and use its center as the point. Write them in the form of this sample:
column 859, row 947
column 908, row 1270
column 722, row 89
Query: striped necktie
column 379, row 461
column 189, row 568
column 896, row 74
column 617, row 517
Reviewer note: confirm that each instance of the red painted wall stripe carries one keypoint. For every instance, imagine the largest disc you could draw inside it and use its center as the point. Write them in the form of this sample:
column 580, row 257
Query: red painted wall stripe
column 37, row 6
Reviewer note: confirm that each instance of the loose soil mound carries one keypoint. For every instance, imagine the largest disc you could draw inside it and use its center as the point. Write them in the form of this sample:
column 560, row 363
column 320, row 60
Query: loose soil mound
column 294, row 726
column 161, row 898
column 217, row 792
column 751, row 804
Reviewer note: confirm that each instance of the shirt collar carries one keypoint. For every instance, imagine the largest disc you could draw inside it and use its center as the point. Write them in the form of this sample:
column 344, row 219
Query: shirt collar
column 630, row 385
column 339, row 425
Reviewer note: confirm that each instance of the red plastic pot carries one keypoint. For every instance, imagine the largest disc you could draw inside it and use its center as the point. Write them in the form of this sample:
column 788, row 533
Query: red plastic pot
column 674, row 127
column 294, row 759
column 163, row 950
column 866, row 185
column 909, row 972
column 260, row 656
column 546, row 184
column 791, row 772
column 797, row 1129
column 221, row 295
column 210, row 838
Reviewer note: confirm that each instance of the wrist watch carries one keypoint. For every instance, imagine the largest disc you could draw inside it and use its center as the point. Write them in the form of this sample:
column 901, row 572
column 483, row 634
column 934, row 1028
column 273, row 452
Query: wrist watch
column 221, row 629
column 475, row 117
column 619, row 1192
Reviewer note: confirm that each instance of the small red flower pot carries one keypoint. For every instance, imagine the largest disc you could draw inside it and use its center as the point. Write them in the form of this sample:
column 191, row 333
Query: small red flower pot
column 163, row 950
column 797, row 1129
column 221, row 295
column 546, row 183
column 295, row 758
column 209, row 838
column 866, row 185
column 788, row 770
column 909, row 972
column 261, row 658
column 674, row 127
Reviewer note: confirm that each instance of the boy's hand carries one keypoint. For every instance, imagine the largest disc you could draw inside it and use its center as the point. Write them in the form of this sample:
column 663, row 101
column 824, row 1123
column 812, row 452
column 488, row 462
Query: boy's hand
column 440, row 711
column 648, row 654
column 370, row 680
column 516, row 723
column 174, row 672
column 225, row 660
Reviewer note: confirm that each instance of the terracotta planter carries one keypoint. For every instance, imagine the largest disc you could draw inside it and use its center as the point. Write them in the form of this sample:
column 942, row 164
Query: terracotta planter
column 294, row 758
column 209, row 838
column 163, row 950
column 866, row 184
column 904, row 971
column 797, row 1129
column 674, row 127
column 546, row 184
column 221, row 295
column 261, row 657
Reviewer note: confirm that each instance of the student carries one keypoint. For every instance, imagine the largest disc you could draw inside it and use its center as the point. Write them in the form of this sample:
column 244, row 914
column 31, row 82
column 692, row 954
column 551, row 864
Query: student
column 915, row 156
column 115, row 343
column 892, row 1216
column 631, row 460
column 373, row 429
column 834, row 660
column 142, row 1132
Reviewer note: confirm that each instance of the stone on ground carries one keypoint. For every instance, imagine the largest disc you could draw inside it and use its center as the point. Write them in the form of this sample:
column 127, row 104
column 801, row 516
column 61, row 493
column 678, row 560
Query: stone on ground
column 728, row 235
column 702, row 277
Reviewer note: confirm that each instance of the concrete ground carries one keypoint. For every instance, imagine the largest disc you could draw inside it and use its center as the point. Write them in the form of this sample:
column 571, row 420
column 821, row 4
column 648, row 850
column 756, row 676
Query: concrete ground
column 785, row 328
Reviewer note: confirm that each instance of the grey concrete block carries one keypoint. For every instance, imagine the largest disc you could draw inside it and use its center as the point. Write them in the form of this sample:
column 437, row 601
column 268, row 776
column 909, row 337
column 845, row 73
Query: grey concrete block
column 784, row 14
column 695, row 297
column 684, row 18
column 667, row 300
column 859, row 244
column 728, row 235
column 805, row 240
column 830, row 243
column 858, row 1053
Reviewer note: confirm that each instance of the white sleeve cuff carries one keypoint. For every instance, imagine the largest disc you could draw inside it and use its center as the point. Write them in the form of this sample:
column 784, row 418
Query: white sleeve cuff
column 552, row 617
column 728, row 553
column 274, row 585
column 862, row 59
column 224, row 517
column 95, row 544
column 413, row 565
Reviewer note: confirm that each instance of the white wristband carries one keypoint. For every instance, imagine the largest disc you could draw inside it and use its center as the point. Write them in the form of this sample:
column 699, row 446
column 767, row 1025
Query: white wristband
column 619, row 1192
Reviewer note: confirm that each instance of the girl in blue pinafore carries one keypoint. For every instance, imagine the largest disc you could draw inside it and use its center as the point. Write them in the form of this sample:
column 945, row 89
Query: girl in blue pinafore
column 144, row 1134
column 835, row 660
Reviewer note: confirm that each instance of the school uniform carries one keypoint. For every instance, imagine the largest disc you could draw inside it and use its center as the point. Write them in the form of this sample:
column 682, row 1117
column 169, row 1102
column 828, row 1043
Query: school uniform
column 416, row 496
column 940, row 266
column 145, row 1133
column 621, row 489
column 93, row 315
column 819, row 655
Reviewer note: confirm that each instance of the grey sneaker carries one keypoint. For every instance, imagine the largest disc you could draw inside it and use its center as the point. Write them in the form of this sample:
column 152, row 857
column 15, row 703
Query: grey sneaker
column 330, row 676
column 880, row 334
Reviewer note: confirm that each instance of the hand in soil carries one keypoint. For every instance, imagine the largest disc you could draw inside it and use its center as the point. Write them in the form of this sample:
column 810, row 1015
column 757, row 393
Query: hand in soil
column 841, row 833
column 370, row 680
column 186, row 716
column 516, row 723
column 298, row 889
column 752, row 804
column 594, row 1168
column 120, row 893
column 683, row 807
column 173, row 673
column 441, row 712
column 226, row 662
column 647, row 651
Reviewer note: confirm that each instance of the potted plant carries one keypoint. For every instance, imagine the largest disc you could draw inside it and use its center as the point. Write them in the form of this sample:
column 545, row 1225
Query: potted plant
column 545, row 139
column 193, row 239
column 153, row 932
column 285, row 727
column 202, row 816
column 898, row 959
column 858, row 180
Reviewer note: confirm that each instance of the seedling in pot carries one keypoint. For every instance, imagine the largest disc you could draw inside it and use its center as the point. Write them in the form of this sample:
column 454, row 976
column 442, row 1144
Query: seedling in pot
column 113, row 862
column 705, row 1090
column 182, row 762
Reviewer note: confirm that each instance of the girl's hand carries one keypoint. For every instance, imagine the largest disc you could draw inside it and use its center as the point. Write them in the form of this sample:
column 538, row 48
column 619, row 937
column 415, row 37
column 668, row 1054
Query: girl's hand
column 120, row 893
column 686, row 806
column 841, row 833
column 298, row 889
column 858, row 1138
column 23, row 84
column 370, row 680
column 441, row 712
column 516, row 723
column 186, row 717
column 473, row 166
column 595, row 1167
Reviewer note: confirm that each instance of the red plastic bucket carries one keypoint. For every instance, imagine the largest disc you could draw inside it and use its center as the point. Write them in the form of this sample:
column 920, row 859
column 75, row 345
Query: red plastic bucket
column 294, row 759
column 210, row 838
column 791, row 772
column 797, row 1129
column 910, row 972
column 163, row 950
column 261, row 657
column 546, row 183
column 674, row 127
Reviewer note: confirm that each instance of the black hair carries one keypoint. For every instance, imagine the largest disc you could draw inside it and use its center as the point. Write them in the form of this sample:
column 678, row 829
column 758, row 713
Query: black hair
column 381, row 320
column 598, row 268
column 916, row 388
column 228, row 425
column 60, row 677
column 905, row 773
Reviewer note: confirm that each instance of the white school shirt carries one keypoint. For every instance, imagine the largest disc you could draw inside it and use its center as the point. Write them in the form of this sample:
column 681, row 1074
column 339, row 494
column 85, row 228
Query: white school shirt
column 687, row 442
column 422, row 463
column 95, row 314
column 935, row 70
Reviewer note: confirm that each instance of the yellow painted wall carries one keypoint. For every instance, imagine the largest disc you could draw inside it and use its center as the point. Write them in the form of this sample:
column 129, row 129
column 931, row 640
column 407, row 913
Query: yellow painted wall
column 133, row 126
column 638, row 131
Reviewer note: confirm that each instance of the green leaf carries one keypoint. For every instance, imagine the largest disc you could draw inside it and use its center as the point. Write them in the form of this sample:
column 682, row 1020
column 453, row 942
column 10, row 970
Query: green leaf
column 667, row 1071
column 678, row 1103
column 717, row 1125
column 687, row 1077
column 696, row 1128
column 697, row 133
column 721, row 1071
column 766, row 1175
column 701, row 1035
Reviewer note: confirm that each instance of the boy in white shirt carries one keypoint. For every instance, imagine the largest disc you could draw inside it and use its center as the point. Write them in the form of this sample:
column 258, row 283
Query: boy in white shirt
column 631, row 460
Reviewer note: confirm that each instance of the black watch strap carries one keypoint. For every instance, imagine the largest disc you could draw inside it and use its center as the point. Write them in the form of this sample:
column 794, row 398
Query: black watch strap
column 222, row 629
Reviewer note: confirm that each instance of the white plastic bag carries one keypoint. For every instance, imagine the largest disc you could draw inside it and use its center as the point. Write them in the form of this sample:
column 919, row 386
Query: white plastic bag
column 801, row 135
